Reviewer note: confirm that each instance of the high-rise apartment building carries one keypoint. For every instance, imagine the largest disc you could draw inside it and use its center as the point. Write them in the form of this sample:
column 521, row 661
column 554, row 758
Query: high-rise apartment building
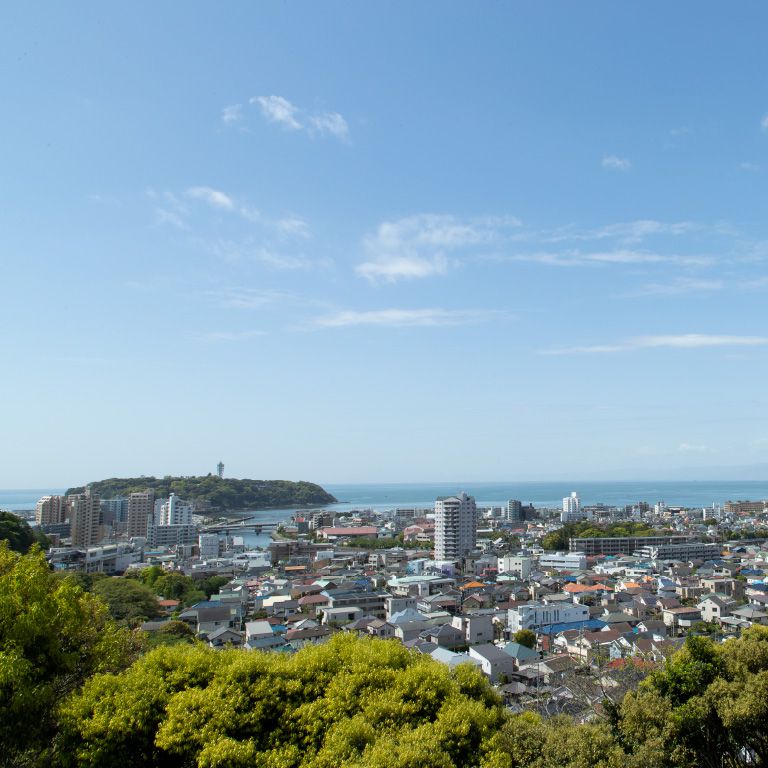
column 117, row 508
column 141, row 510
column 51, row 510
column 174, row 511
column 571, row 508
column 515, row 511
column 455, row 526
column 84, row 518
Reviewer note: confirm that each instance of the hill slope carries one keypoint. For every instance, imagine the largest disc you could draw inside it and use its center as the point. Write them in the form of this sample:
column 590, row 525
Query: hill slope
column 222, row 493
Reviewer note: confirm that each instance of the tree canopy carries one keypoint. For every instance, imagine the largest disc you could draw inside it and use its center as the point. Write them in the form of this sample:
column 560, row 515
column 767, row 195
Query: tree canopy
column 221, row 493
column 18, row 534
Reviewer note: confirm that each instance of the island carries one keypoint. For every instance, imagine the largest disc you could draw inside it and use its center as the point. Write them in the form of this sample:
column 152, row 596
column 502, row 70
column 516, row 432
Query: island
column 217, row 493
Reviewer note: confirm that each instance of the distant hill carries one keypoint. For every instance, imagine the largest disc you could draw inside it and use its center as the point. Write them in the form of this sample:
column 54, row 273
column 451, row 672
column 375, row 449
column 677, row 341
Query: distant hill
column 222, row 493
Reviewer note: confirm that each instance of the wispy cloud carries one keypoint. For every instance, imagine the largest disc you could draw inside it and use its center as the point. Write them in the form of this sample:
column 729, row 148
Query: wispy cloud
column 251, row 250
column 330, row 122
column 578, row 258
column 681, row 285
column 402, row 318
column 278, row 109
column 213, row 197
column 752, row 167
column 249, row 298
column 695, row 448
column 682, row 341
column 232, row 335
column 764, row 123
column 232, row 114
column 425, row 244
column 616, row 163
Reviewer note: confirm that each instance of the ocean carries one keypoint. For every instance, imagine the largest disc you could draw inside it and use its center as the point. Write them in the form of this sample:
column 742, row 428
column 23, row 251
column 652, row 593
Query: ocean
column 383, row 496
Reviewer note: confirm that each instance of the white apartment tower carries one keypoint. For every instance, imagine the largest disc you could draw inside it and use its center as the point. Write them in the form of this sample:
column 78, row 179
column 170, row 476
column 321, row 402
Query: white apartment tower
column 455, row 526
column 571, row 508
column 174, row 511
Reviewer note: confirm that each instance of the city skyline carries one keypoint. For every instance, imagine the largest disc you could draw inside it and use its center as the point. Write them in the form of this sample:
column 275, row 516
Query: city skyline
column 360, row 244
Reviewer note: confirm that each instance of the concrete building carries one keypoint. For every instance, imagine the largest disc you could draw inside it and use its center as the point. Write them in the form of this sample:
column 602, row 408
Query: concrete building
column 563, row 561
column 571, row 508
column 117, row 508
column 84, row 518
column 515, row 511
column 51, row 510
column 455, row 526
column 622, row 545
column 171, row 535
column 541, row 616
column 141, row 508
column 174, row 511
column 515, row 566
column 208, row 544
column 692, row 550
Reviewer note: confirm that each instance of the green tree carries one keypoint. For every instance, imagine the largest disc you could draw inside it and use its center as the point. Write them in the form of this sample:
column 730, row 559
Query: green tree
column 18, row 534
column 526, row 637
column 53, row 636
column 128, row 601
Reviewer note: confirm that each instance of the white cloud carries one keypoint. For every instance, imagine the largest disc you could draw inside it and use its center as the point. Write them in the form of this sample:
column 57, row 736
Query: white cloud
column 212, row 197
column 628, row 232
column 232, row 114
column 401, row 318
column 293, row 226
column 248, row 299
column 681, row 341
column 418, row 246
column 764, row 123
column 232, row 335
column 330, row 122
column 753, row 167
column 278, row 110
column 578, row 258
column 616, row 163
column 694, row 448
column 681, row 285
column 164, row 216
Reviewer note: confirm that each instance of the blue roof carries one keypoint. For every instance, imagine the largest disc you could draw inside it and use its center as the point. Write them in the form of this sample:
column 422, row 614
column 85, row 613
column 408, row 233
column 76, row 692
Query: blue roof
column 591, row 624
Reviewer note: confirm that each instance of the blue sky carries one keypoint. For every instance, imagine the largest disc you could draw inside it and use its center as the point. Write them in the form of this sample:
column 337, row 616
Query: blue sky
column 395, row 242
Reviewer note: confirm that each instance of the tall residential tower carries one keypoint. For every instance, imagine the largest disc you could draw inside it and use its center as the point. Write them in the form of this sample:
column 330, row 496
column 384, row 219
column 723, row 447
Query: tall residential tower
column 455, row 526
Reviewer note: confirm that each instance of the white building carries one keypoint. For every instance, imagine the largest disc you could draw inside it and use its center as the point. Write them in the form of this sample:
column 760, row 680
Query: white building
column 515, row 566
column 174, row 511
column 541, row 616
column 571, row 508
column 563, row 561
column 455, row 526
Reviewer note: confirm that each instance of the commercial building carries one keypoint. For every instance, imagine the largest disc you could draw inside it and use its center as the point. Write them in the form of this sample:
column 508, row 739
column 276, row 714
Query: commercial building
column 455, row 526
column 745, row 507
column 171, row 535
column 563, row 561
column 693, row 550
column 541, row 616
column 84, row 518
column 621, row 545
column 51, row 510
column 141, row 509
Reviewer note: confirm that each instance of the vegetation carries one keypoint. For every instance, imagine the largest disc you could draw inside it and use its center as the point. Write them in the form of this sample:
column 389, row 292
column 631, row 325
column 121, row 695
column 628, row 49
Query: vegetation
column 18, row 534
column 349, row 702
column 526, row 637
column 221, row 493
column 129, row 602
column 75, row 690
column 53, row 636
column 177, row 586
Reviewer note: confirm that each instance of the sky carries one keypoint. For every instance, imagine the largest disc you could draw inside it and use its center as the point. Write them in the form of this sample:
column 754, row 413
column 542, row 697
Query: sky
column 382, row 242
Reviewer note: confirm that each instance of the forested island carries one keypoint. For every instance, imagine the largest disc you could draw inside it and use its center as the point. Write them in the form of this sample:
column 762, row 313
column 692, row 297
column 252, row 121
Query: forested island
column 225, row 494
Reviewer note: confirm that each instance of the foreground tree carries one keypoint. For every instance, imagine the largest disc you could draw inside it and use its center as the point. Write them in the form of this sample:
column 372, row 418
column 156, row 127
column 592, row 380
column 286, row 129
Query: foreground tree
column 53, row 636
column 347, row 702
